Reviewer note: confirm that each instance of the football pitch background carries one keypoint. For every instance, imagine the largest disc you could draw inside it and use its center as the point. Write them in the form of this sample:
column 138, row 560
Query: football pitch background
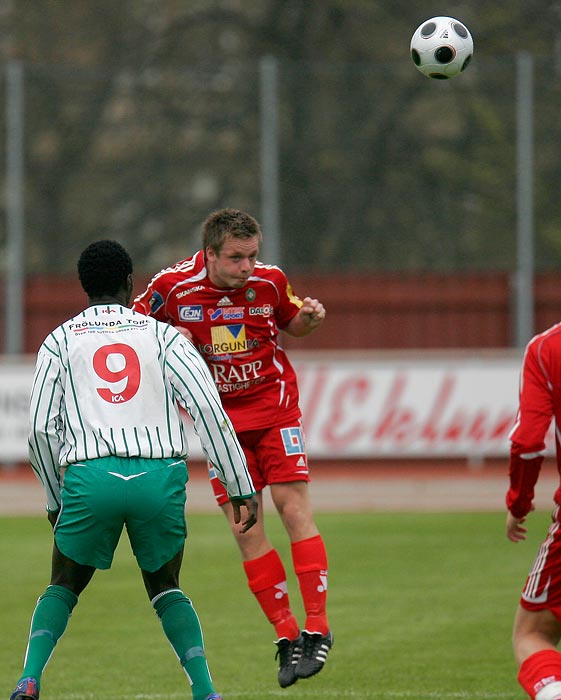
column 421, row 606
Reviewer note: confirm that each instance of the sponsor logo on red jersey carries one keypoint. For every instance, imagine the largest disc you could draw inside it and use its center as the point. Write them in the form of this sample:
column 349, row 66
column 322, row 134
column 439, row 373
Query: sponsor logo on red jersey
column 229, row 313
column 266, row 310
column 183, row 293
column 229, row 339
column 190, row 313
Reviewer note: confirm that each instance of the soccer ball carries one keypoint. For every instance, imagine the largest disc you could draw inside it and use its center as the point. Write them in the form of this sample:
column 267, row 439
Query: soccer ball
column 441, row 48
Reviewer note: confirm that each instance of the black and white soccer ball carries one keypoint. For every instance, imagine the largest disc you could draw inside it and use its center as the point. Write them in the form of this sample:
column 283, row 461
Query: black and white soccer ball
column 441, row 47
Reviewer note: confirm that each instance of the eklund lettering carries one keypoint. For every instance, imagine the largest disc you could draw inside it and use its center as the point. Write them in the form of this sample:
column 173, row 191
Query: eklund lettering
column 354, row 408
column 422, row 411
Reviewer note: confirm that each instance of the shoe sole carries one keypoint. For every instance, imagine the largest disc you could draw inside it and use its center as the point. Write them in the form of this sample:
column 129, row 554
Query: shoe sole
column 292, row 681
column 313, row 673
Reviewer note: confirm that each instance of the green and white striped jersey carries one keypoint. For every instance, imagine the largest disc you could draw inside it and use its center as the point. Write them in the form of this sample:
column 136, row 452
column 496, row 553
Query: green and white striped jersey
column 108, row 381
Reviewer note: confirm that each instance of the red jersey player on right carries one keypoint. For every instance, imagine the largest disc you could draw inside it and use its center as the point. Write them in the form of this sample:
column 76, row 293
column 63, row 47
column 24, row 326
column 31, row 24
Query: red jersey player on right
column 537, row 626
column 233, row 309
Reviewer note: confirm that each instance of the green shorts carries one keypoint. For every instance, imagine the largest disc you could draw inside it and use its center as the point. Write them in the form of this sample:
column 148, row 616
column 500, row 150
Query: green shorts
column 100, row 496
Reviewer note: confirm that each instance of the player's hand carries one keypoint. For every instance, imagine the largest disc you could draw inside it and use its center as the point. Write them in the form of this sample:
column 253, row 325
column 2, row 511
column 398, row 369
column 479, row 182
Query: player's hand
column 312, row 312
column 515, row 530
column 252, row 508
column 185, row 332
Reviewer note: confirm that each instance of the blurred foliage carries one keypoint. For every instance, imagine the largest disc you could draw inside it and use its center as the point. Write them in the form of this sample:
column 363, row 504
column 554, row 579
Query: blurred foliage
column 141, row 116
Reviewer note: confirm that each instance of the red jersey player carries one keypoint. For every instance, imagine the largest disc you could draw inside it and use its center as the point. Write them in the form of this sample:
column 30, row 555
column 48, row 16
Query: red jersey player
column 537, row 626
column 233, row 308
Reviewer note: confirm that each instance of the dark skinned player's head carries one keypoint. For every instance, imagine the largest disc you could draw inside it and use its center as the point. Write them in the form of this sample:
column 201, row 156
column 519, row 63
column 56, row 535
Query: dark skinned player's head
column 105, row 269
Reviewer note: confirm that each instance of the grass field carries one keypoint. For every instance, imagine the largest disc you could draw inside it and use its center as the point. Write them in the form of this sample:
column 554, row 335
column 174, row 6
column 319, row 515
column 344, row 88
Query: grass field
column 421, row 606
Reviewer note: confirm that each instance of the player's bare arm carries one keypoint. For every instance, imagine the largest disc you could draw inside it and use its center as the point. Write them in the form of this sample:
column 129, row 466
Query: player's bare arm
column 309, row 317
column 252, row 507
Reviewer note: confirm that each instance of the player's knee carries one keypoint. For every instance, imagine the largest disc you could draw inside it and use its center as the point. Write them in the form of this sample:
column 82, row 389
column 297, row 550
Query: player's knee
column 298, row 519
column 164, row 600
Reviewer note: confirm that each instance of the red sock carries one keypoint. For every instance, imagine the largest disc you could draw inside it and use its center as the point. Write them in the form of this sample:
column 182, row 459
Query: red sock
column 540, row 669
column 266, row 578
column 310, row 565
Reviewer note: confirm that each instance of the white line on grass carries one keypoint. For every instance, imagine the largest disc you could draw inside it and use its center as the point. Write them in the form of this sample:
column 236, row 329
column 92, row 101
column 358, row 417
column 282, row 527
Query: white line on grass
column 320, row 694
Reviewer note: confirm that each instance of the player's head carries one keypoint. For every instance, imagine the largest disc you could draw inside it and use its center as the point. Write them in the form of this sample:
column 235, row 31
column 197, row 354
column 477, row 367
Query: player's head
column 231, row 243
column 105, row 270
column 228, row 223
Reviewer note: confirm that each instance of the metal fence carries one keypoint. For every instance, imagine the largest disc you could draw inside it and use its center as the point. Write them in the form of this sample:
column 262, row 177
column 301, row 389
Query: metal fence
column 349, row 167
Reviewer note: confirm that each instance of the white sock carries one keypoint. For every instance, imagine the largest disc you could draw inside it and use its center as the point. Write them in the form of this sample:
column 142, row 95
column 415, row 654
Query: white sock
column 551, row 691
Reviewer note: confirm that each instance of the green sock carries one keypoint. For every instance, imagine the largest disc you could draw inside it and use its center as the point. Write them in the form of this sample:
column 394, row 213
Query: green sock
column 183, row 629
column 48, row 623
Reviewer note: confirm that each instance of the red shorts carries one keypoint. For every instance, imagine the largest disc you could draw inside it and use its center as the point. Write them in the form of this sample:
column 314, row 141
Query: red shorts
column 274, row 456
column 543, row 585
